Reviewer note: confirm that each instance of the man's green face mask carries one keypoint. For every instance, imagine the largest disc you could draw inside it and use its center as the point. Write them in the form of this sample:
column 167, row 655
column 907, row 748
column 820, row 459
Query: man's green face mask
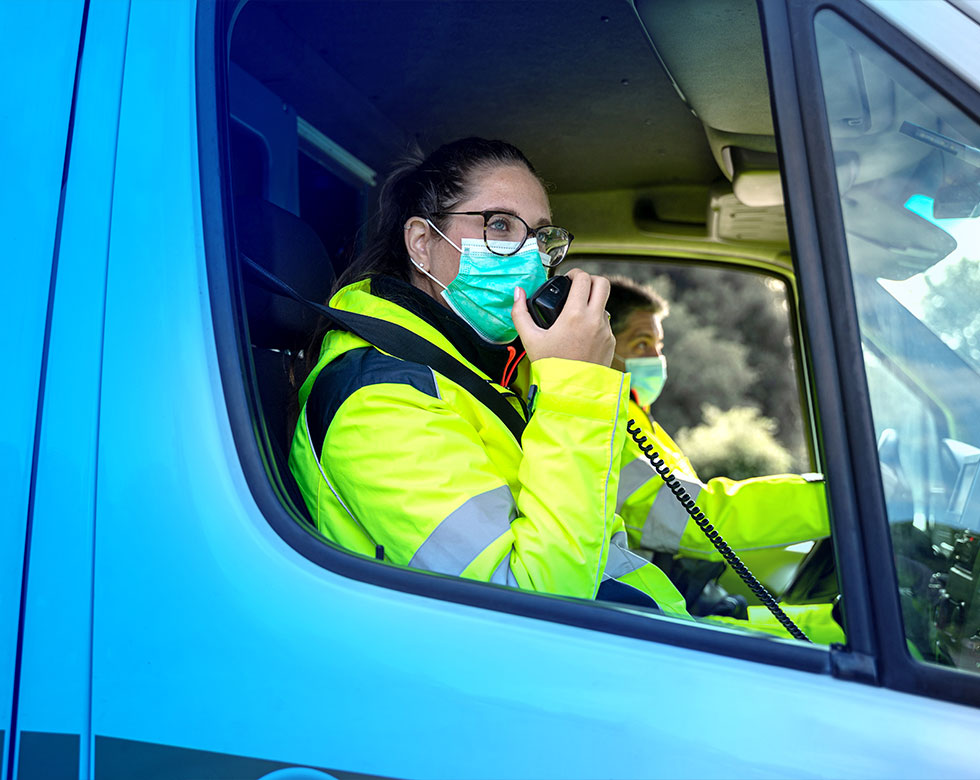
column 647, row 377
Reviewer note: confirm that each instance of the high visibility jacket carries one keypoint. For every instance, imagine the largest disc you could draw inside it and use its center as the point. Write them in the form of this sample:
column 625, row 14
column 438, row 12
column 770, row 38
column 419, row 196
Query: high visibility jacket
column 389, row 453
column 750, row 514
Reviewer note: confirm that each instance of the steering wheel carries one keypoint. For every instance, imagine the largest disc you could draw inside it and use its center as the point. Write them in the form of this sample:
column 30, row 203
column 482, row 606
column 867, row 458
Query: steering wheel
column 816, row 579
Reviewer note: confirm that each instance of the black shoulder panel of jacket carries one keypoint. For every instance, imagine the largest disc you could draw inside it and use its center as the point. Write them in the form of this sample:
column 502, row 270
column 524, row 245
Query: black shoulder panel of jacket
column 353, row 370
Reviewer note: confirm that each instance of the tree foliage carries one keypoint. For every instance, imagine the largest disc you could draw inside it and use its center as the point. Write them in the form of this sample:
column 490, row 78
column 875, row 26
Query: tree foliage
column 729, row 346
column 737, row 443
column 951, row 307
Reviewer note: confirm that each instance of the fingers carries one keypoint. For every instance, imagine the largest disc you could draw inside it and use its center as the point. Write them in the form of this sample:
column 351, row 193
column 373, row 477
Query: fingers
column 599, row 293
column 581, row 331
column 578, row 293
column 587, row 291
column 521, row 316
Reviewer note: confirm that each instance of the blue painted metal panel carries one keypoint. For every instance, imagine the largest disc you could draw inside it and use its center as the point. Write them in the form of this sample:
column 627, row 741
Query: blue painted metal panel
column 38, row 52
column 55, row 673
column 211, row 633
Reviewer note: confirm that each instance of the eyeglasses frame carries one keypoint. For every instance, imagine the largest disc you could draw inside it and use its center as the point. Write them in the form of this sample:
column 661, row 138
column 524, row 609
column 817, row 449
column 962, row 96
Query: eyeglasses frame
column 530, row 231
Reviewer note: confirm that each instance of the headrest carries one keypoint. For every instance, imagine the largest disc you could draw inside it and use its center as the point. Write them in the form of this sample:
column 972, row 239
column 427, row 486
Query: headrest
column 289, row 249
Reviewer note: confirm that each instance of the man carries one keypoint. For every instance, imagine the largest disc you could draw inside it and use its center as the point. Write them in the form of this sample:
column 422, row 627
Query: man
column 753, row 513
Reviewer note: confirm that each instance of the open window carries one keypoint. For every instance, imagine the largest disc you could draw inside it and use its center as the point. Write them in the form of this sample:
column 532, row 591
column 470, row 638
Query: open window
column 322, row 98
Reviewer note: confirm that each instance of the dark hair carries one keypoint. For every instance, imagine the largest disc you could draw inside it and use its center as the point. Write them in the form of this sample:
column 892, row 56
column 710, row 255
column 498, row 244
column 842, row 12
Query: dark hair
column 627, row 296
column 416, row 186
column 420, row 186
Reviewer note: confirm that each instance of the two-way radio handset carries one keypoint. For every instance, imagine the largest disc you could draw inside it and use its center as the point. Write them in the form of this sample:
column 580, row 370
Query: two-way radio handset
column 547, row 301
column 545, row 305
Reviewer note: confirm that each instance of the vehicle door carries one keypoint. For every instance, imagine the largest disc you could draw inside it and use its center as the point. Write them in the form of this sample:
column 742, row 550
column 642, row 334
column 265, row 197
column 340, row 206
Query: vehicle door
column 877, row 113
column 230, row 640
column 39, row 52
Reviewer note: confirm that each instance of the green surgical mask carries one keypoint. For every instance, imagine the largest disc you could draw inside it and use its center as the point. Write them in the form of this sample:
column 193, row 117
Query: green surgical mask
column 483, row 291
column 647, row 377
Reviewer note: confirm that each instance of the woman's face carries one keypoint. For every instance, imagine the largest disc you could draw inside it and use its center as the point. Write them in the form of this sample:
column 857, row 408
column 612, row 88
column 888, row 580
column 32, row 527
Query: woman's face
column 511, row 188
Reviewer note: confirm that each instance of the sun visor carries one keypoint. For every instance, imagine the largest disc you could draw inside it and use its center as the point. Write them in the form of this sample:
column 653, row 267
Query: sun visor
column 723, row 77
column 755, row 176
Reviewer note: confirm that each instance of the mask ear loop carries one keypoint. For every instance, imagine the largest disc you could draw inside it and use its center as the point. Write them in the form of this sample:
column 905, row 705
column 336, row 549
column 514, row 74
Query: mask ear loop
column 432, row 225
column 421, row 267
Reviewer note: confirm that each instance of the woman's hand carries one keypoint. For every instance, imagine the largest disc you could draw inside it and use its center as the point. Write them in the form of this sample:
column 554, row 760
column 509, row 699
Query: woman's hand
column 581, row 331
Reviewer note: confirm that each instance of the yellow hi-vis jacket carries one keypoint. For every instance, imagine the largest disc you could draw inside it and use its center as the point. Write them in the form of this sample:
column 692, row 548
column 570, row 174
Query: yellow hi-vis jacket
column 750, row 514
column 390, row 453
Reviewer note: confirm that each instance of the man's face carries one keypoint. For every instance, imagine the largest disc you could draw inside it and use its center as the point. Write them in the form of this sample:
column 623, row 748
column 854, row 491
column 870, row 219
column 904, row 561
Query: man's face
column 642, row 336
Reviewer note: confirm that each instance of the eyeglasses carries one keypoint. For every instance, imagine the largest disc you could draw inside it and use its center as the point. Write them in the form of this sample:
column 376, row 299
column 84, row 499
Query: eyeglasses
column 505, row 233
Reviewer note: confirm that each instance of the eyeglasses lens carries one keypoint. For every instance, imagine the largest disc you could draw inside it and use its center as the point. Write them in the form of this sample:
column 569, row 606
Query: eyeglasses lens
column 553, row 242
column 506, row 234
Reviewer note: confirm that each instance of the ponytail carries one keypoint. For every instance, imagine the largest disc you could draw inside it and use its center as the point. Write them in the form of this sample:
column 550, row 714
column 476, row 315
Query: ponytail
column 419, row 186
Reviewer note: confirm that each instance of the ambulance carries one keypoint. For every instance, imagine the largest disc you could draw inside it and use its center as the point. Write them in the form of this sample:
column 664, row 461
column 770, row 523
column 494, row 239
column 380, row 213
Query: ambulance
column 167, row 610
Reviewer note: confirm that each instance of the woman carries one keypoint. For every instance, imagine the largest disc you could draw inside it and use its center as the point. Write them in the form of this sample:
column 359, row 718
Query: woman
column 395, row 460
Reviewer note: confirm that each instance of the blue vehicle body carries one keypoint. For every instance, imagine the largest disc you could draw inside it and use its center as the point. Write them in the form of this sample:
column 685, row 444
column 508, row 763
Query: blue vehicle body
column 154, row 624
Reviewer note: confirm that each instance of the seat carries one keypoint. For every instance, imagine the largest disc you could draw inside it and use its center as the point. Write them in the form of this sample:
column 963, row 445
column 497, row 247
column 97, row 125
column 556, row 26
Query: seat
column 280, row 329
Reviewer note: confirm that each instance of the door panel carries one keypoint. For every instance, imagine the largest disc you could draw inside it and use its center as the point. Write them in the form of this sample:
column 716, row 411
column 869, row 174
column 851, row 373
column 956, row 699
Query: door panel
column 866, row 122
column 38, row 55
column 54, row 696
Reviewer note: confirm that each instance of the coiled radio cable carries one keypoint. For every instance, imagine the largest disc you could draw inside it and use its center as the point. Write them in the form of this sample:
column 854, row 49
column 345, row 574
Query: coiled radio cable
column 711, row 532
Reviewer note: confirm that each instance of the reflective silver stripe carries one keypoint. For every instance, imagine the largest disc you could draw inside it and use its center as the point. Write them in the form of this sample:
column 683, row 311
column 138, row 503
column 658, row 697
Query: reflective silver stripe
column 435, row 383
column 632, row 477
column 466, row 532
column 812, row 476
column 605, row 491
column 667, row 518
column 621, row 561
column 336, row 495
column 504, row 575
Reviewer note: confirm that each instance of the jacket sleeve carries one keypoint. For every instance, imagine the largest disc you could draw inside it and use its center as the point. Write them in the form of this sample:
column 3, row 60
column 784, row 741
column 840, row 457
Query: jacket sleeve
column 439, row 493
column 750, row 514
column 815, row 620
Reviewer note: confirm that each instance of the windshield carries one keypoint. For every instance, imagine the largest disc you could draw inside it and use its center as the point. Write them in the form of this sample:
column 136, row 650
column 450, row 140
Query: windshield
column 946, row 296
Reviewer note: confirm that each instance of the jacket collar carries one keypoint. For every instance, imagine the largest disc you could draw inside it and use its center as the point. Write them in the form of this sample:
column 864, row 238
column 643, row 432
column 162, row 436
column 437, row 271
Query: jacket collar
column 495, row 361
column 359, row 299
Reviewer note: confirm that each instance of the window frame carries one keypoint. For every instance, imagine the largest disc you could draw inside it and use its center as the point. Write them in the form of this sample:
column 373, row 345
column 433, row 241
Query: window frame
column 866, row 569
column 237, row 374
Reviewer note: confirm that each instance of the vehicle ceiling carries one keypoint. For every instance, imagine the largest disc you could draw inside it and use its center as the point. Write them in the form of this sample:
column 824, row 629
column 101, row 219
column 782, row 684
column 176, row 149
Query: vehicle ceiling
column 577, row 85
